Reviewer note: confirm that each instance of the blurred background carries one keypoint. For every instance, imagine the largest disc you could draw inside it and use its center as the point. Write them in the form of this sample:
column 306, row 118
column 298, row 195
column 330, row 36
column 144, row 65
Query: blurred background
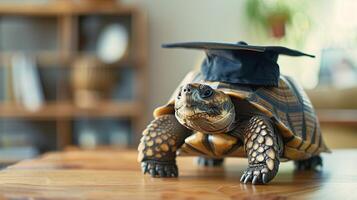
column 88, row 73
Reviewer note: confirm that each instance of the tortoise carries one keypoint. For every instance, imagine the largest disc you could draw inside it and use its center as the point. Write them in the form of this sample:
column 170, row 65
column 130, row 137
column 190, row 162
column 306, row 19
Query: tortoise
column 217, row 119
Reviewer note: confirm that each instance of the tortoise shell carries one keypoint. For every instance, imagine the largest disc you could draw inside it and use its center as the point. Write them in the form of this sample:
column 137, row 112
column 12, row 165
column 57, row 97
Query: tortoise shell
column 287, row 105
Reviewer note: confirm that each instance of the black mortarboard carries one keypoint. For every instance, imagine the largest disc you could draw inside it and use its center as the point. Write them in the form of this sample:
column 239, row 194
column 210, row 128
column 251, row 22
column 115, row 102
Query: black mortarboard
column 240, row 63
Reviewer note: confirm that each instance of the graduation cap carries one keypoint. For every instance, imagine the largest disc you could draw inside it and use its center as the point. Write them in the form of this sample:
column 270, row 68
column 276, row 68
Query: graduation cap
column 240, row 63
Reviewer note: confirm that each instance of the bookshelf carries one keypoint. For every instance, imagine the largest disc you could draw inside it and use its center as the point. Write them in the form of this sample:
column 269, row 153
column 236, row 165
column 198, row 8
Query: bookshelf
column 63, row 32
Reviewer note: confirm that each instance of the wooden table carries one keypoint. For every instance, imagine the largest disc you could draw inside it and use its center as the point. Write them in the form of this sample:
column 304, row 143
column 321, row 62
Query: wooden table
column 109, row 174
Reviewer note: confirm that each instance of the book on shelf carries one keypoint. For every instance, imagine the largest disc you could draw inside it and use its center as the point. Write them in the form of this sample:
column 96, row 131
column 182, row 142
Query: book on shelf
column 7, row 89
column 26, row 84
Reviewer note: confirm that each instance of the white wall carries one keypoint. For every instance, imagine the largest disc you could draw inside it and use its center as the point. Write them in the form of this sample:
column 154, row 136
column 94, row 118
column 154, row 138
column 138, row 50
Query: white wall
column 179, row 20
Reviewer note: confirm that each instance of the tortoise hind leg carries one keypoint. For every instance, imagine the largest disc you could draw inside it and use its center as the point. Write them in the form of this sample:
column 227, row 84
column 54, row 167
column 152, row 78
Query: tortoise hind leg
column 210, row 162
column 263, row 148
column 312, row 163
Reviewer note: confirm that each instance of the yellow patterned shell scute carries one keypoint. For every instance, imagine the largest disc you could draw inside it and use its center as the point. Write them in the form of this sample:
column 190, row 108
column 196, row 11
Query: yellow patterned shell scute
column 216, row 146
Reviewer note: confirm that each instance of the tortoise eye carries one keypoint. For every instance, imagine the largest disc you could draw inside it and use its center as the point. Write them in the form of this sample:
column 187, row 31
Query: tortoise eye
column 207, row 93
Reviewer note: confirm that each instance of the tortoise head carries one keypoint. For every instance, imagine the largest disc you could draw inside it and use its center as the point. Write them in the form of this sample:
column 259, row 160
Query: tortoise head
column 201, row 108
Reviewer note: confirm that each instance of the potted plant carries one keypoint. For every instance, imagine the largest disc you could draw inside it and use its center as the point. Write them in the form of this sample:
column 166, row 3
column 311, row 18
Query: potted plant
column 273, row 16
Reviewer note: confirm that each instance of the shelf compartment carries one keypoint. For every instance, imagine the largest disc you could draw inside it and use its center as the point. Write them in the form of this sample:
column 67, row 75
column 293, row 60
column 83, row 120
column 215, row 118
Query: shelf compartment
column 18, row 33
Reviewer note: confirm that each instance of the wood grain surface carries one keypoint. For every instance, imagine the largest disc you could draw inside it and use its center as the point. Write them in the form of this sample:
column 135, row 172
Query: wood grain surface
column 114, row 174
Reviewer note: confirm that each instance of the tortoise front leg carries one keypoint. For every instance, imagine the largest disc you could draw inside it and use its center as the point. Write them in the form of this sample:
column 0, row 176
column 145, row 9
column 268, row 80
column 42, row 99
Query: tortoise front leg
column 262, row 147
column 158, row 145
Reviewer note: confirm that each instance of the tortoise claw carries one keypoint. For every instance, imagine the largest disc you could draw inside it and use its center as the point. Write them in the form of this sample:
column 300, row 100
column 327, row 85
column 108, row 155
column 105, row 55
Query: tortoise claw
column 144, row 167
column 157, row 169
column 152, row 172
column 255, row 180
column 265, row 178
column 258, row 174
column 242, row 177
column 160, row 170
column 248, row 178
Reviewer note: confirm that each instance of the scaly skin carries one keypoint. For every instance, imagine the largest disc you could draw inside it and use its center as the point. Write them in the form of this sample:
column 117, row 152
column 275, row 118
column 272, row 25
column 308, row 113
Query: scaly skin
column 158, row 145
column 262, row 148
column 201, row 108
